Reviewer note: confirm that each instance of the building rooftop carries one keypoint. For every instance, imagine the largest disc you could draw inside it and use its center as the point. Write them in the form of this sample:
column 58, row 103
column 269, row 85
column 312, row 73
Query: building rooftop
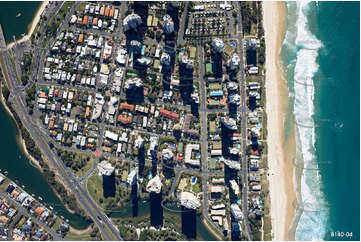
column 131, row 22
column 105, row 168
column 188, row 155
column 154, row 185
column 189, row 200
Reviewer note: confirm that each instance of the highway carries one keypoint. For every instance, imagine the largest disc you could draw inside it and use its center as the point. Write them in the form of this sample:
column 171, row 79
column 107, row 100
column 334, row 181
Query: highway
column 17, row 99
column 76, row 184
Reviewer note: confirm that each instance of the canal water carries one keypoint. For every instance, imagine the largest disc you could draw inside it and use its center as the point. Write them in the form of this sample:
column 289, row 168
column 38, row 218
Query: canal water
column 23, row 172
column 143, row 209
column 12, row 157
column 16, row 26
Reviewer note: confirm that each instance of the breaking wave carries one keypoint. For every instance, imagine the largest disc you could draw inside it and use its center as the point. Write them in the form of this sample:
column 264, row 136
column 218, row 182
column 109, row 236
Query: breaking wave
column 302, row 50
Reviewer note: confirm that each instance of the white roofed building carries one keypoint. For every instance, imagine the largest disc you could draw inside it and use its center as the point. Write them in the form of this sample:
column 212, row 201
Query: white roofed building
column 139, row 142
column 154, row 185
column 167, row 155
column 105, row 168
column 165, row 59
column 133, row 83
column 186, row 61
column 234, row 187
column 188, row 155
column 232, row 86
column 217, row 45
column 232, row 164
column 234, row 99
column 110, row 135
column 236, row 212
column 131, row 22
column 168, row 24
column 132, row 177
column 234, row 62
column 189, row 200
column 230, row 123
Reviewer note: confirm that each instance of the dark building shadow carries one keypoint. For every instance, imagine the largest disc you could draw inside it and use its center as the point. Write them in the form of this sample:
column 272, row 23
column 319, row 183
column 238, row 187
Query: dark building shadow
column 217, row 65
column 156, row 209
column 166, row 80
column 189, row 222
column 134, row 197
column 141, row 8
column 141, row 161
column 109, row 186
column 186, row 84
column 177, row 134
column 251, row 57
column 154, row 166
column 232, row 109
column 233, row 76
column 236, row 235
column 172, row 10
column 135, row 95
column 226, row 140
column 195, row 109
column 252, row 103
column 168, row 169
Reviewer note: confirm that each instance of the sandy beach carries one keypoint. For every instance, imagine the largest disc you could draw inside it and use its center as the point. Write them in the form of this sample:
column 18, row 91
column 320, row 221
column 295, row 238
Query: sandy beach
column 33, row 24
column 280, row 163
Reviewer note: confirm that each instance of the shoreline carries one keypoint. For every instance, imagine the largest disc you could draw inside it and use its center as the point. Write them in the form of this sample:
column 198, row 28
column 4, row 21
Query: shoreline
column 280, row 163
column 32, row 27
column 208, row 226
column 33, row 161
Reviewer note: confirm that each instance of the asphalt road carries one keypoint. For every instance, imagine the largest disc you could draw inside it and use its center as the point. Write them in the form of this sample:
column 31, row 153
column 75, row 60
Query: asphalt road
column 96, row 214
column 244, row 170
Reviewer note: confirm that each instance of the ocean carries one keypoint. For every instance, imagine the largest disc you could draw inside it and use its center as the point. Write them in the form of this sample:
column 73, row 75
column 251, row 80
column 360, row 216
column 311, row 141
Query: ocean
column 321, row 59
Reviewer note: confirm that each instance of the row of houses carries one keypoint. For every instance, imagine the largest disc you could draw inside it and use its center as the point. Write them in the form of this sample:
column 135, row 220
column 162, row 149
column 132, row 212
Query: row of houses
column 25, row 228
column 99, row 17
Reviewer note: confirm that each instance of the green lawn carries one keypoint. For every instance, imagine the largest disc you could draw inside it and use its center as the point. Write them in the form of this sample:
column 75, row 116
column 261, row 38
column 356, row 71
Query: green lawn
column 85, row 236
column 95, row 187
column 196, row 188
column 57, row 224
column 81, row 7
column 78, row 162
column 3, row 71
column 87, row 166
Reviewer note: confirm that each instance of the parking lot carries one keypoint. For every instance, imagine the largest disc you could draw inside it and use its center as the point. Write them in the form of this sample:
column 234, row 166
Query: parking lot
column 208, row 20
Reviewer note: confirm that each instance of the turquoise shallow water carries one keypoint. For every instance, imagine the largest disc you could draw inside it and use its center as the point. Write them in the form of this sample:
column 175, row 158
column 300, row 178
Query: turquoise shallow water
column 338, row 27
column 321, row 59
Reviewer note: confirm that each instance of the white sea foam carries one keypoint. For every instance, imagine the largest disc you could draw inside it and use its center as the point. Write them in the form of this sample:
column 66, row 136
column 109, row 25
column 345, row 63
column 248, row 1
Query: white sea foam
column 313, row 220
